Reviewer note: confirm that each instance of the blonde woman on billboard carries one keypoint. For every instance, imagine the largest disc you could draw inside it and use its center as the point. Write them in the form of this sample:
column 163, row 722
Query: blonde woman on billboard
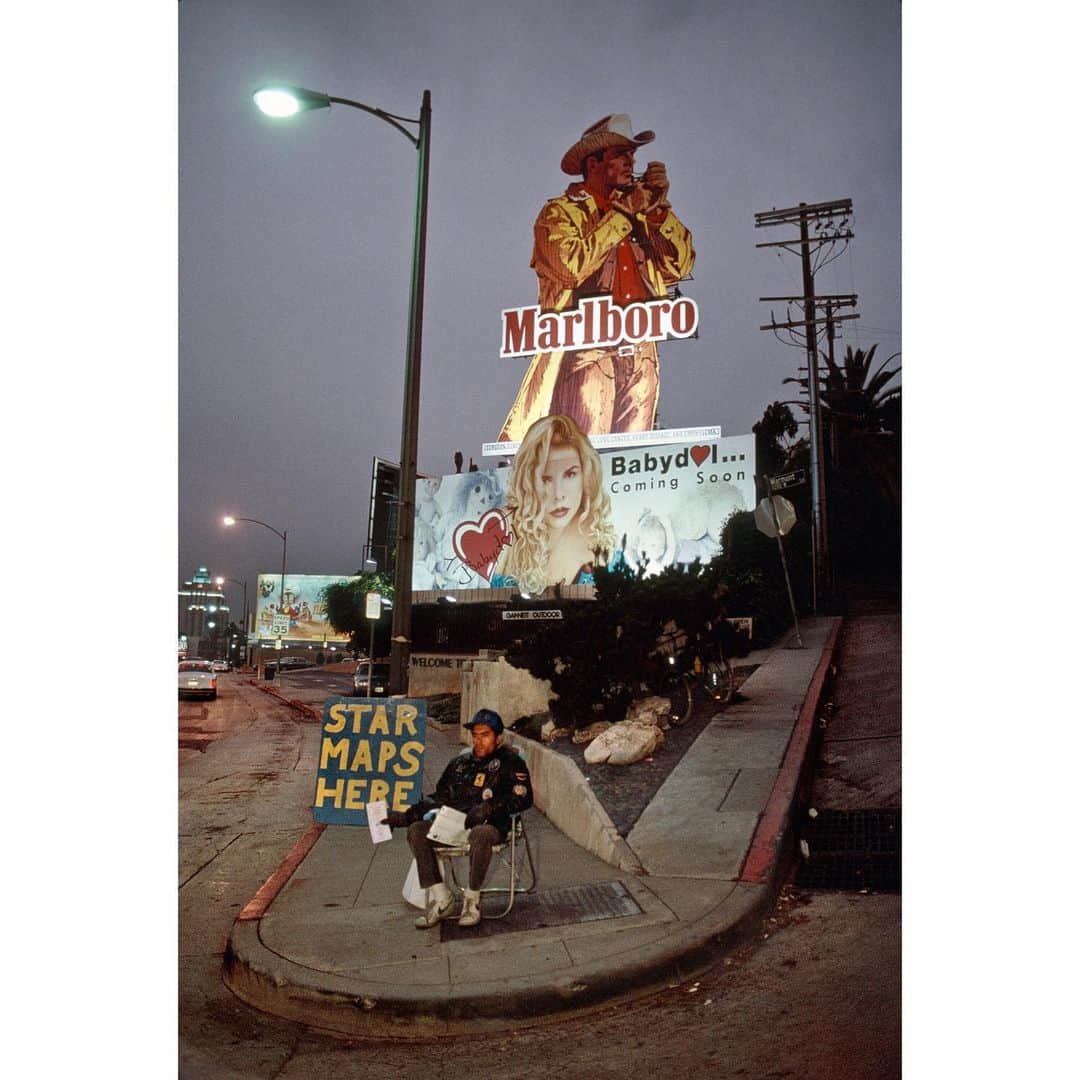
column 558, row 510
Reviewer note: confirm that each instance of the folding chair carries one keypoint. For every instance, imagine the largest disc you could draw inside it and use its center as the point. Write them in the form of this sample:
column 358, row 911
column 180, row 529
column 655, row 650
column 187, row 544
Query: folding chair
column 514, row 853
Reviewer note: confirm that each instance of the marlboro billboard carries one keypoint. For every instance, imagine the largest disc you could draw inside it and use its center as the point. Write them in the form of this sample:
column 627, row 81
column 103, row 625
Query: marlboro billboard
column 609, row 254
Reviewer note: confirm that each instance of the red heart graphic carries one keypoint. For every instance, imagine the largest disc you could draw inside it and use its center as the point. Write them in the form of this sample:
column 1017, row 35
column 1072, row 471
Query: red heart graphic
column 699, row 453
column 478, row 543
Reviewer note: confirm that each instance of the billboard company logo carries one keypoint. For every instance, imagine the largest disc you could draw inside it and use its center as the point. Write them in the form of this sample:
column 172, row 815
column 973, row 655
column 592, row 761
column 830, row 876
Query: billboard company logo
column 478, row 544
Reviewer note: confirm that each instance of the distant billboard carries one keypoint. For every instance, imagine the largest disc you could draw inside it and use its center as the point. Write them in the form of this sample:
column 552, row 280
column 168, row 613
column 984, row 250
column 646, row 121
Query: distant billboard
column 303, row 606
column 656, row 506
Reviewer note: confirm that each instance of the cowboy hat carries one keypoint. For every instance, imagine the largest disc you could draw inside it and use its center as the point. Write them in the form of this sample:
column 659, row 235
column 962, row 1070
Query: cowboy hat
column 613, row 130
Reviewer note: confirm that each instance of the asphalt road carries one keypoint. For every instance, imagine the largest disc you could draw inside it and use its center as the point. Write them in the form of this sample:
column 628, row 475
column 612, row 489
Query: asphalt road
column 336, row 682
column 816, row 997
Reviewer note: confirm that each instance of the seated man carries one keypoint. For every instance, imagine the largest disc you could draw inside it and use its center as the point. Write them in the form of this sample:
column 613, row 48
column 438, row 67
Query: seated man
column 488, row 786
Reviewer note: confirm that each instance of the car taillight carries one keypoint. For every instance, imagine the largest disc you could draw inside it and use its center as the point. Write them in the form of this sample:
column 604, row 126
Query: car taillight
column 213, row 683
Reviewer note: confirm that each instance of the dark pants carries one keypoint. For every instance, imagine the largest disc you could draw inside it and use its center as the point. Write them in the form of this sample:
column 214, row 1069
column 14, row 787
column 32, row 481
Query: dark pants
column 481, row 840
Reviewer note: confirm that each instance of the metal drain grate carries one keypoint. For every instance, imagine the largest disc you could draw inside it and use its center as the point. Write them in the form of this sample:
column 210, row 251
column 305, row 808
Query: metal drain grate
column 851, row 849
column 556, row 907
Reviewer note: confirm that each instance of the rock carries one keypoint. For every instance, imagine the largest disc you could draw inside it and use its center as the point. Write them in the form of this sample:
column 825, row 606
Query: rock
column 549, row 732
column 623, row 744
column 585, row 735
column 653, row 710
column 532, row 725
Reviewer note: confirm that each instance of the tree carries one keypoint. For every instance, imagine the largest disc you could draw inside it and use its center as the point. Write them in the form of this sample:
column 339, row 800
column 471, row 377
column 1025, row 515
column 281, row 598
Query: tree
column 778, row 451
column 346, row 603
column 863, row 416
column 773, row 431
column 857, row 402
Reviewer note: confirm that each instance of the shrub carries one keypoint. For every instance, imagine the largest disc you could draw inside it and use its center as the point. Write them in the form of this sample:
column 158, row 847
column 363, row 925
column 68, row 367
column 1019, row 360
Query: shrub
column 598, row 654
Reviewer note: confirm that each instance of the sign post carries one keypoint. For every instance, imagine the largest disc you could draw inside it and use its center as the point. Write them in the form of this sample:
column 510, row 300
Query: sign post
column 775, row 516
column 372, row 611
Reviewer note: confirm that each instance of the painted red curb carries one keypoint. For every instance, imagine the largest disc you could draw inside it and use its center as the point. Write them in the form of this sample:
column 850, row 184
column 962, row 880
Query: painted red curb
column 300, row 706
column 771, row 826
column 257, row 905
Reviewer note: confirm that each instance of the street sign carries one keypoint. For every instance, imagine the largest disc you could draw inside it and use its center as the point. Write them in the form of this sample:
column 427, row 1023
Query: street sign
column 279, row 626
column 789, row 479
column 373, row 605
column 781, row 513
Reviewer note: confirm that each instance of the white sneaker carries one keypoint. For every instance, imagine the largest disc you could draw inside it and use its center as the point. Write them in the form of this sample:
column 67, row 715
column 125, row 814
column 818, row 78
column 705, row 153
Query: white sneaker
column 470, row 910
column 440, row 903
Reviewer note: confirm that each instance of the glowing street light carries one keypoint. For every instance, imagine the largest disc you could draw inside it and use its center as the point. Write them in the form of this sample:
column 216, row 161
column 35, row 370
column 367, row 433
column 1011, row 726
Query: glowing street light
column 229, row 520
column 284, row 101
column 280, row 101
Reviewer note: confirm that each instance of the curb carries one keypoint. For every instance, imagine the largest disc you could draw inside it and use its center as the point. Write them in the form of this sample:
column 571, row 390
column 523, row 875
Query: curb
column 279, row 986
column 292, row 703
column 764, row 857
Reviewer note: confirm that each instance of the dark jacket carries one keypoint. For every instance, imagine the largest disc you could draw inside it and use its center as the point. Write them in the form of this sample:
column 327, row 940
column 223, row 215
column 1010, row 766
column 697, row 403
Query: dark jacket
column 501, row 780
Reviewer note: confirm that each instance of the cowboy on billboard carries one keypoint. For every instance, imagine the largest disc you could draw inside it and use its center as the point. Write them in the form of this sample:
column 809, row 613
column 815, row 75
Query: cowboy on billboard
column 612, row 235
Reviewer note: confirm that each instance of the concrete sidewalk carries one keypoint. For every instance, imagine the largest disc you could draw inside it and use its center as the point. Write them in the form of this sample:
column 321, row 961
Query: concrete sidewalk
column 329, row 941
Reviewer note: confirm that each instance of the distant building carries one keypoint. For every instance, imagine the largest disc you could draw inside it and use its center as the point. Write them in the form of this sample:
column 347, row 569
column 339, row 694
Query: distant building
column 199, row 603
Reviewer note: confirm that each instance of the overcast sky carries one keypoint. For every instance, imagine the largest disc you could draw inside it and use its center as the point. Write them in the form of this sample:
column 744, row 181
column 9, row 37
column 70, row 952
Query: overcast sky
column 295, row 236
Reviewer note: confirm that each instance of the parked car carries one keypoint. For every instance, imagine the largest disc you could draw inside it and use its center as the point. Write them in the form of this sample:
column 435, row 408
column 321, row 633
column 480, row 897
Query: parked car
column 379, row 680
column 197, row 679
column 295, row 663
column 287, row 663
column 221, row 665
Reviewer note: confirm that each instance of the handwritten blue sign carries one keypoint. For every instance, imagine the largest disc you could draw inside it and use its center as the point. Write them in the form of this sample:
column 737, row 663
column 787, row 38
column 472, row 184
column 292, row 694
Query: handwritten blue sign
column 371, row 749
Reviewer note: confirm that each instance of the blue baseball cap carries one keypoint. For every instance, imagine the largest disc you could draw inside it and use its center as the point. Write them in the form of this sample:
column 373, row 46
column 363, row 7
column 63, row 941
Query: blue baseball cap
column 489, row 717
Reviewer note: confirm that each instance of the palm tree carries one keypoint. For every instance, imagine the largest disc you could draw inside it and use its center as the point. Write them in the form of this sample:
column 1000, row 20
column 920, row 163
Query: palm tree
column 858, row 401
column 861, row 417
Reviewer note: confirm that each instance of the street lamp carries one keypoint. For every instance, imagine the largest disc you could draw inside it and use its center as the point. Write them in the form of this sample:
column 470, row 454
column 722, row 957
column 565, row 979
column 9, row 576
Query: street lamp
column 230, row 520
column 284, row 101
column 219, row 581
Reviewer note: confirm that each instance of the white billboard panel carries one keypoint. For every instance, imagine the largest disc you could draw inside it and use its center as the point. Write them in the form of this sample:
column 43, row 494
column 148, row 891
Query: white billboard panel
column 666, row 504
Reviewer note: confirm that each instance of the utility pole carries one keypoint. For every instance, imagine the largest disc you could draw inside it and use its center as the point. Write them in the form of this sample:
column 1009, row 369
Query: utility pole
column 815, row 249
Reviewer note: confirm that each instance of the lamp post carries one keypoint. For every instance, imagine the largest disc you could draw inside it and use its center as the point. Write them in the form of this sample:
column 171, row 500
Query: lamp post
column 230, row 520
column 285, row 101
column 244, row 617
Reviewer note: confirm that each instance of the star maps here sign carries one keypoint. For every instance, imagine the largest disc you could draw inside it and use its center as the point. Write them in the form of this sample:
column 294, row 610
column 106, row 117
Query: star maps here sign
column 371, row 749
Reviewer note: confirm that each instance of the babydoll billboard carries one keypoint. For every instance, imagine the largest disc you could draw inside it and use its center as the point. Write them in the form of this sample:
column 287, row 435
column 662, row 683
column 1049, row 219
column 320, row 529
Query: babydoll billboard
column 608, row 254
column 539, row 522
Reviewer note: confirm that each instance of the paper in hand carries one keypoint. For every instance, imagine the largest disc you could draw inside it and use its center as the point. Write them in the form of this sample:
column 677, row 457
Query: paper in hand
column 376, row 811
